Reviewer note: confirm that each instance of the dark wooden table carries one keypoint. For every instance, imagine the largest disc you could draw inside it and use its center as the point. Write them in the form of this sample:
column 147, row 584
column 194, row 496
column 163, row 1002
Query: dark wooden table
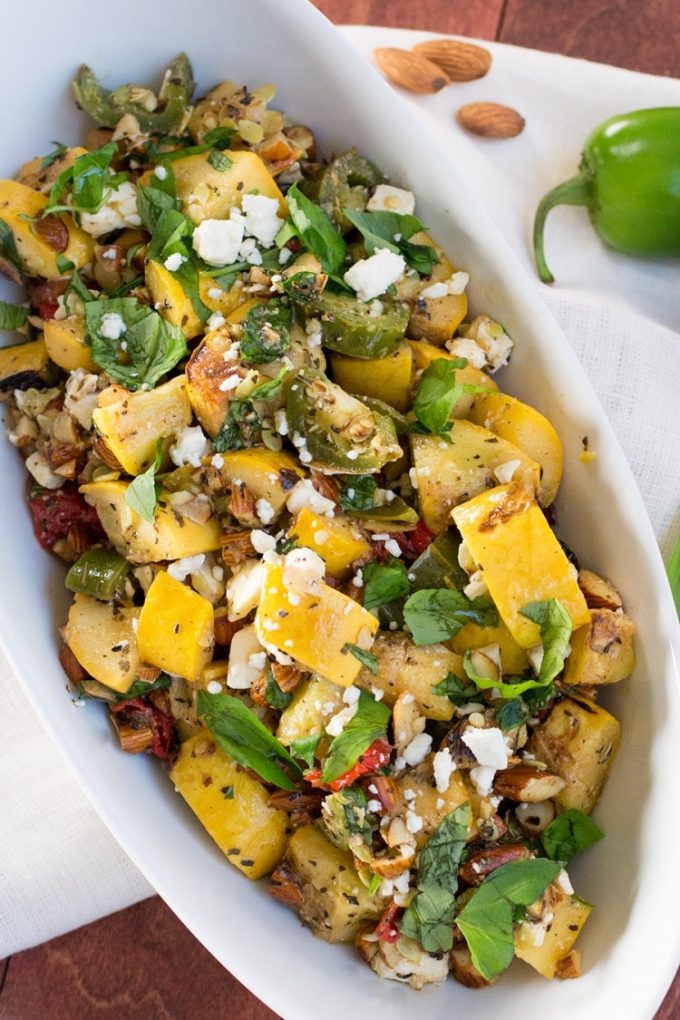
column 142, row 964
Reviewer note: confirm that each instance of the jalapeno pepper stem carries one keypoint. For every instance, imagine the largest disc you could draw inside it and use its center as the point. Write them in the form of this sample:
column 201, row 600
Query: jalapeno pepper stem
column 577, row 190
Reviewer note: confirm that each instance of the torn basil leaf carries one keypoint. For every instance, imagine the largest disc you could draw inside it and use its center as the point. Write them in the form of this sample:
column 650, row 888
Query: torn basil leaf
column 12, row 316
column 316, row 231
column 569, row 834
column 392, row 230
column 384, row 582
column 369, row 723
column 434, row 615
column 147, row 349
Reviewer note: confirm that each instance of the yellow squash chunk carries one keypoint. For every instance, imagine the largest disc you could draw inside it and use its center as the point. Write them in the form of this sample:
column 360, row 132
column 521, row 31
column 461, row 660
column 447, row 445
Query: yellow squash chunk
column 433, row 806
column 315, row 628
column 34, row 175
column 209, row 194
column 172, row 301
column 569, row 914
column 140, row 541
column 176, row 628
column 206, row 370
column 577, row 741
column 66, row 346
column 22, row 360
column 601, row 652
column 513, row 658
column 239, row 313
column 403, row 668
column 268, row 474
column 132, row 423
column 436, row 319
column 528, row 429
column 452, row 472
column 387, row 378
column 102, row 638
column 424, row 354
column 509, row 538
column 337, row 541
column 231, row 805
column 19, row 207
column 228, row 302
column 314, row 702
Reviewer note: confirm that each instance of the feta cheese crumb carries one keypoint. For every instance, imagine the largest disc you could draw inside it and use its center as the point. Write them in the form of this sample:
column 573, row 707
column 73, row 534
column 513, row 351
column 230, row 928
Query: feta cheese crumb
column 261, row 541
column 215, row 321
column 443, row 766
column 265, row 511
column 414, row 822
column 337, row 723
column 217, row 461
column 118, row 211
column 369, row 278
column 281, row 421
column 393, row 547
column 161, row 172
column 358, row 579
column 482, row 777
column 488, row 745
column 418, row 749
column 476, row 586
column 564, row 882
column 217, row 241
column 284, row 256
column 112, row 325
column 390, row 199
column 261, row 218
column 174, row 261
column 303, row 570
column 181, row 569
column 374, row 805
column 351, row 695
column 377, row 693
column 456, row 284
column 214, row 686
column 190, row 446
column 303, row 494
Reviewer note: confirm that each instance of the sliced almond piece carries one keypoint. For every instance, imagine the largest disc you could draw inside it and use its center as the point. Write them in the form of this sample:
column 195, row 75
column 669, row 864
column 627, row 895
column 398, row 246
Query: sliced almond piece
column 461, row 61
column 410, row 70
column 527, row 784
column 490, row 120
column 599, row 593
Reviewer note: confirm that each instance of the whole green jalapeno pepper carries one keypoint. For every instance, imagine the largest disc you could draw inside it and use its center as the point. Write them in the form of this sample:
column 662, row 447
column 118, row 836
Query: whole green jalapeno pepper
column 629, row 180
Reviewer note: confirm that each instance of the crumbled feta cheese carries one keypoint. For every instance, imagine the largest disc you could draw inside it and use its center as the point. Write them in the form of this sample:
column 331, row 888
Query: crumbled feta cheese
column 190, row 446
column 377, row 693
column 482, row 777
column 217, row 241
column 374, row 805
column 564, row 882
column 161, row 172
column 174, row 261
column 261, row 218
column 390, row 199
column 244, row 589
column 303, row 570
column 504, row 472
column 261, row 541
column 217, row 461
column 476, row 586
column 358, row 579
column 375, row 309
column 258, row 660
column 281, row 421
column 413, row 477
column 112, row 325
column 351, row 695
column 443, row 766
column 462, row 347
column 265, row 511
column 409, row 794
column 244, row 647
column 456, row 284
column 401, row 882
column 439, row 803
column 214, row 322
column 214, row 687
column 418, row 749
column 303, row 494
column 284, row 256
column 371, row 277
column 230, row 383
column 488, row 745
column 118, row 211
column 181, row 569
column 414, row 822
column 337, row 723
column 393, row 547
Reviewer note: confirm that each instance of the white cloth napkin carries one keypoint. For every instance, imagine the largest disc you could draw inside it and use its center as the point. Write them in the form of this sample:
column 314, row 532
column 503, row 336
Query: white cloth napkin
column 59, row 866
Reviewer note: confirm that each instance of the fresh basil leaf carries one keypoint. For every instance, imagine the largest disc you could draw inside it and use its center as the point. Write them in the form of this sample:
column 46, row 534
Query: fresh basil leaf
column 273, row 694
column 8, row 247
column 456, row 689
column 77, row 286
column 141, row 494
column 316, row 231
column 511, row 715
column 152, row 203
column 141, row 687
column 242, row 736
column 381, row 229
column 438, row 393
column 12, row 316
column 266, row 332
column 556, row 626
column 64, row 265
column 437, row 614
column 674, row 573
column 384, row 582
column 269, row 390
column 486, row 920
column 53, row 156
column 484, row 683
column 218, row 160
column 369, row 723
column 430, row 916
column 88, row 181
column 219, row 137
column 302, row 287
column 357, row 492
column 305, row 747
column 367, row 659
column 125, row 287
column 569, row 834
column 152, row 346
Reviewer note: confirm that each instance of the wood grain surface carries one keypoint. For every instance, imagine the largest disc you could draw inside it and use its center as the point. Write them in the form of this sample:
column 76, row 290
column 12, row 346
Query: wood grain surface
column 142, row 964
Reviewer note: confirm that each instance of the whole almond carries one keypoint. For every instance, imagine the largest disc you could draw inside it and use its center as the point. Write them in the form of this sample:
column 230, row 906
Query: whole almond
column 491, row 120
column 53, row 232
column 409, row 70
column 461, row 61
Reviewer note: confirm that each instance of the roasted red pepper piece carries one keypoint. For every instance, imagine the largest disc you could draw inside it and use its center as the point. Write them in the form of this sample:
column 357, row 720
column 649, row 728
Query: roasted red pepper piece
column 56, row 511
column 374, row 757
column 142, row 710
column 387, row 930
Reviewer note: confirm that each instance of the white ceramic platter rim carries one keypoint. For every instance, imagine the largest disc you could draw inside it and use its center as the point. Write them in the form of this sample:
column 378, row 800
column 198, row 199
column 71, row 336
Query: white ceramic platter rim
column 631, row 947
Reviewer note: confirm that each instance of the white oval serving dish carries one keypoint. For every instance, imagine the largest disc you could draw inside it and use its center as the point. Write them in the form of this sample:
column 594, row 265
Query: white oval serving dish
column 631, row 945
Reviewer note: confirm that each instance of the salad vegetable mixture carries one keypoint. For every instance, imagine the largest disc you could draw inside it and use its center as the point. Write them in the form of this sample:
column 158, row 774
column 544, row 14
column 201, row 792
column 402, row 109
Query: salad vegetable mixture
column 310, row 540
